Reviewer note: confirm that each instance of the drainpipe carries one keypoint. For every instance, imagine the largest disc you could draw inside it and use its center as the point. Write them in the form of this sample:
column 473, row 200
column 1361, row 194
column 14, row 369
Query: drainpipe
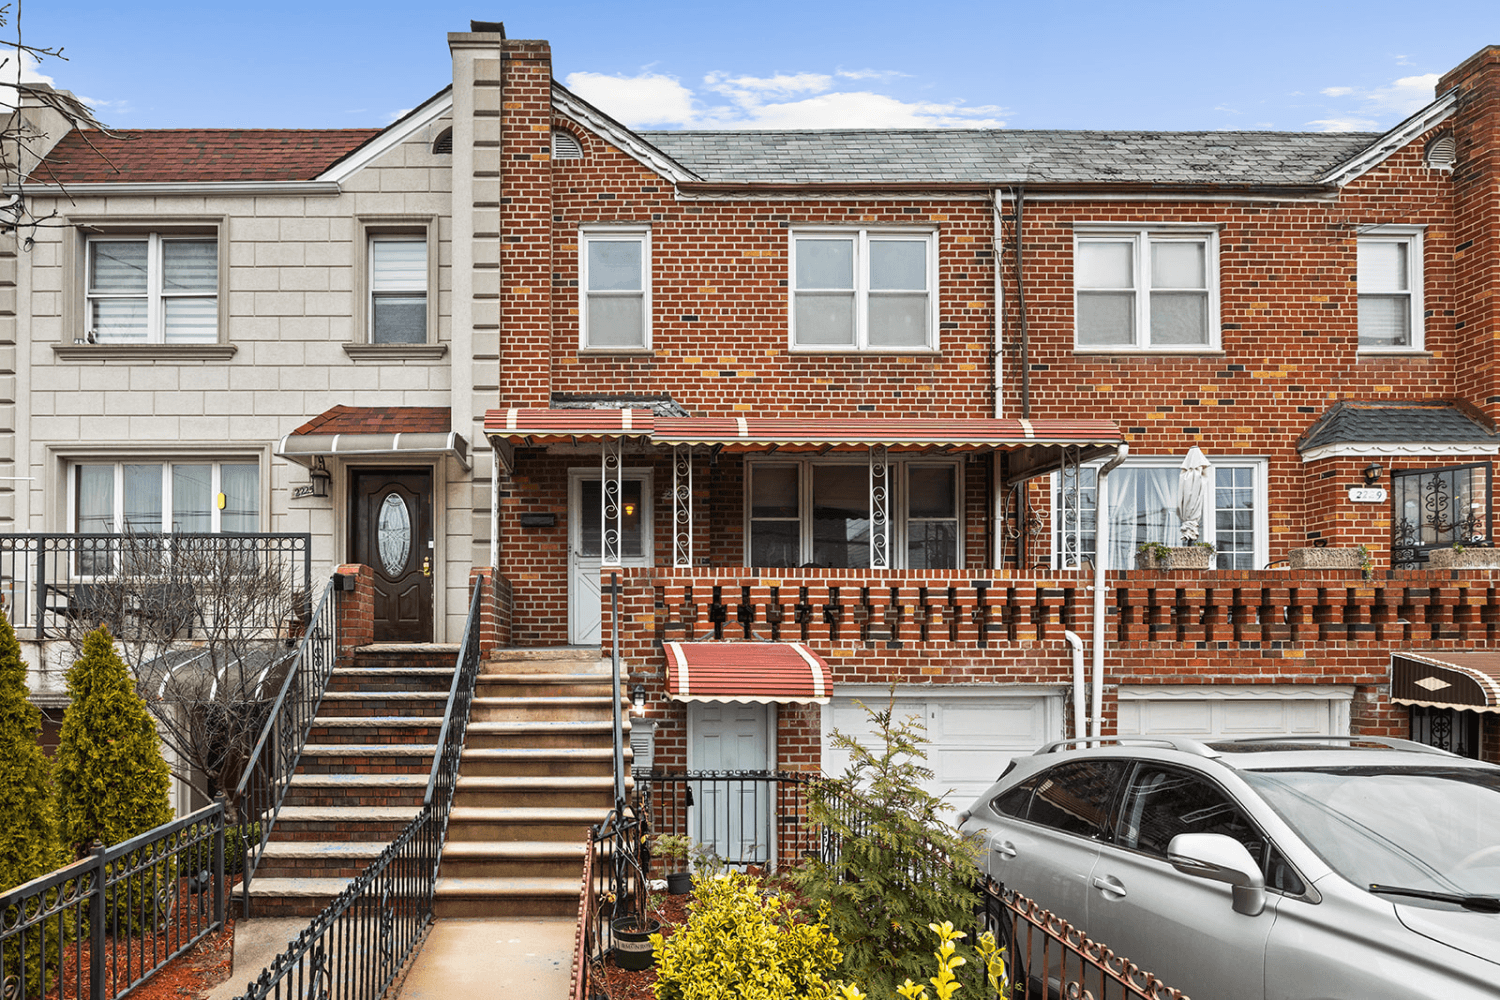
column 1101, row 558
column 997, row 360
column 1078, row 692
column 494, row 512
column 1020, row 198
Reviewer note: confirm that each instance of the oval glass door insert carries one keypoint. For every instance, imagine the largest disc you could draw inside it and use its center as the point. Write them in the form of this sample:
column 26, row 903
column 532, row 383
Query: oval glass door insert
column 393, row 534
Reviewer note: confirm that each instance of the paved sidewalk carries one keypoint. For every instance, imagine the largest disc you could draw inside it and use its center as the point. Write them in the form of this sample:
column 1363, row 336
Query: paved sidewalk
column 256, row 942
column 525, row 957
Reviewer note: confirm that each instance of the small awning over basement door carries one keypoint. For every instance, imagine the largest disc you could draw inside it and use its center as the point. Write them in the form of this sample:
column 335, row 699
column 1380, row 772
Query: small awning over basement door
column 747, row 671
column 1443, row 679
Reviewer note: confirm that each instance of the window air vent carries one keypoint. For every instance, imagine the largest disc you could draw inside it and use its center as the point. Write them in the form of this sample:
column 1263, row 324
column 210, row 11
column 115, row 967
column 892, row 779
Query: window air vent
column 565, row 146
column 444, row 142
column 1441, row 152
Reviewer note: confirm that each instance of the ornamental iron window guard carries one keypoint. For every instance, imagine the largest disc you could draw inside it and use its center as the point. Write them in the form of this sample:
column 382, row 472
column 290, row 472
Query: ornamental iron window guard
column 1437, row 508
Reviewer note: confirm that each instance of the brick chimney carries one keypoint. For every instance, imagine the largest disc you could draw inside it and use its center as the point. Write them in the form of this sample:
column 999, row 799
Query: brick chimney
column 1476, row 236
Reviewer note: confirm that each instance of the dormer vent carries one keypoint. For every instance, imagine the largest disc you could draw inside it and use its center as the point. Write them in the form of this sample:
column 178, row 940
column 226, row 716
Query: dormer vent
column 565, row 146
column 444, row 142
column 1441, row 152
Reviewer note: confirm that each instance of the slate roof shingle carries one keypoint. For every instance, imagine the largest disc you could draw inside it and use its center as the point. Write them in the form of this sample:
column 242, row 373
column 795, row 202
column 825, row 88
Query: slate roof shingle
column 195, row 154
column 1010, row 156
column 1432, row 422
column 380, row 420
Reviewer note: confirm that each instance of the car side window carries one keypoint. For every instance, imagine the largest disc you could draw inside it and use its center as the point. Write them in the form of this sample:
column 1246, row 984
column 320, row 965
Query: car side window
column 1014, row 802
column 1076, row 797
column 1162, row 802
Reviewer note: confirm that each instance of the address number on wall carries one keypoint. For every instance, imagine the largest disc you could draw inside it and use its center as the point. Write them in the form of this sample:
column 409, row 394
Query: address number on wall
column 1363, row 495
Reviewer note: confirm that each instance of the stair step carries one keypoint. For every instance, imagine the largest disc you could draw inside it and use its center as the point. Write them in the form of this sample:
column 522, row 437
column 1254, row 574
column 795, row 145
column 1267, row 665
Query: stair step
column 523, row 823
column 507, row 897
column 543, row 708
column 560, row 761
column 514, row 849
column 333, row 850
column 346, row 814
column 529, row 782
column 505, row 858
column 554, row 733
column 361, row 780
column 355, row 721
column 316, row 888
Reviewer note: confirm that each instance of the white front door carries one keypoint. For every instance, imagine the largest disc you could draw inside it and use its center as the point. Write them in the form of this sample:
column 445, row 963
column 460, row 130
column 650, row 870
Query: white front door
column 731, row 816
column 585, row 550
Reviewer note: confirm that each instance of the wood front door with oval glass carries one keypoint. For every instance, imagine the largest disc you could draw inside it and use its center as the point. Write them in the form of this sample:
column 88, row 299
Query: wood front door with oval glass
column 391, row 532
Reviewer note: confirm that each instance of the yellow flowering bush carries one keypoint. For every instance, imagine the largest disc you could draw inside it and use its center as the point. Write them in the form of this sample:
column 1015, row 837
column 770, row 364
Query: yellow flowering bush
column 739, row 943
column 991, row 955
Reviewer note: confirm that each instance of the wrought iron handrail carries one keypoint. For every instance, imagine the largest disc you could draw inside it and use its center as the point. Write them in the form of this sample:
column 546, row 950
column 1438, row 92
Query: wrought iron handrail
column 443, row 778
column 614, row 662
column 264, row 782
column 107, row 923
column 56, row 583
column 360, row 940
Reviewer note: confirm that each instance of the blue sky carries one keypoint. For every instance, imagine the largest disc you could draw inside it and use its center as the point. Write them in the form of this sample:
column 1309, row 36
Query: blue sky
column 1084, row 65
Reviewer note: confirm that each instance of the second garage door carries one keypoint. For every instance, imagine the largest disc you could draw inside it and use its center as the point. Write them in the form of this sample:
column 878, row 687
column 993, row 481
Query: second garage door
column 1204, row 712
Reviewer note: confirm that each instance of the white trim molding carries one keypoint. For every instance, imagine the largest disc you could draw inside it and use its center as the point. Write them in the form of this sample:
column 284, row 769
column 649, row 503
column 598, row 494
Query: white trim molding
column 571, row 106
column 1402, row 135
column 1362, row 450
column 425, row 114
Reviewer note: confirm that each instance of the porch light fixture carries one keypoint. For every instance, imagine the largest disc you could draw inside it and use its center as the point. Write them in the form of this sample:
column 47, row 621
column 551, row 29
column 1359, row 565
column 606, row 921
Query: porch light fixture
column 629, row 509
column 1372, row 474
column 638, row 698
column 319, row 481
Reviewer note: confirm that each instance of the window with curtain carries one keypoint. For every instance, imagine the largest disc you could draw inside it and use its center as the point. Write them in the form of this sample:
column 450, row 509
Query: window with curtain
column 187, row 497
column 152, row 289
column 615, row 289
column 398, row 290
column 1390, row 290
column 811, row 513
column 1145, row 289
column 1143, row 510
column 863, row 290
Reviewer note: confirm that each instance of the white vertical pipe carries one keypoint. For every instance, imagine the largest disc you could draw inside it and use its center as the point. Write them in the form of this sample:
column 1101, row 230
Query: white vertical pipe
column 1078, row 689
column 1101, row 560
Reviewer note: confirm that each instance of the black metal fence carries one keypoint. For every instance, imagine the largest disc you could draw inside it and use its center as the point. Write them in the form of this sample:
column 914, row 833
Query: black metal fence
column 742, row 817
column 272, row 763
column 613, row 889
column 59, row 585
column 355, row 947
column 103, row 925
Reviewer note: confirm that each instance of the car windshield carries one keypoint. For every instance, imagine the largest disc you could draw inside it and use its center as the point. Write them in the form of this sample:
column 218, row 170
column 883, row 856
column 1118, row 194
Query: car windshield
column 1433, row 829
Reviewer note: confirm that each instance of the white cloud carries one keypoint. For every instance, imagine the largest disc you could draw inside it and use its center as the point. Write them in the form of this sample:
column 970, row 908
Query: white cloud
column 781, row 100
column 1406, row 95
column 1336, row 91
column 1382, row 106
column 1345, row 125
column 11, row 61
column 647, row 99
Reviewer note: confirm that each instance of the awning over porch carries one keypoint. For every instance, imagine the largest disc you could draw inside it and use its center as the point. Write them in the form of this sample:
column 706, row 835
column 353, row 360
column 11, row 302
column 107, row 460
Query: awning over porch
column 539, row 426
column 760, row 433
column 747, row 671
column 1460, row 679
column 375, row 431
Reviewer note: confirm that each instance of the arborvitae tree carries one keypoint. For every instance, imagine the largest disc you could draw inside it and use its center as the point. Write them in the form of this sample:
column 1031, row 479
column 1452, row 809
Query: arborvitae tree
column 28, row 823
column 112, row 782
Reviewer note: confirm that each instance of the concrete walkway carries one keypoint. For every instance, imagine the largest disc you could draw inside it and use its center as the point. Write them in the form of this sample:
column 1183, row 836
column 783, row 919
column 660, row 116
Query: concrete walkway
column 483, row 956
column 256, row 942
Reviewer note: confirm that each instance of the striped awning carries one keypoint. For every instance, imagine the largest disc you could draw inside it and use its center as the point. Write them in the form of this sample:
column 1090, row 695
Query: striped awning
column 747, row 671
column 758, row 433
column 1461, row 679
column 540, row 426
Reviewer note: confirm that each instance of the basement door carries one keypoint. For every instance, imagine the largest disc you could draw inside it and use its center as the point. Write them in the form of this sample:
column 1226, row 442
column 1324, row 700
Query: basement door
column 732, row 817
column 585, row 544
column 390, row 531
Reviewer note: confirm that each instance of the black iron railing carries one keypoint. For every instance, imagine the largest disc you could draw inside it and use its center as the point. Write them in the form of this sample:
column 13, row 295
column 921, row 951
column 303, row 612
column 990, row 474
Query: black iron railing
column 613, row 889
column 62, row 585
column 272, row 763
column 356, row 945
column 105, row 924
column 742, row 817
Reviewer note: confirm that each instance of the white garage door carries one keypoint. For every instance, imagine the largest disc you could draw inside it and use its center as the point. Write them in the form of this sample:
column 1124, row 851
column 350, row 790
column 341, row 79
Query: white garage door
column 1206, row 712
column 973, row 732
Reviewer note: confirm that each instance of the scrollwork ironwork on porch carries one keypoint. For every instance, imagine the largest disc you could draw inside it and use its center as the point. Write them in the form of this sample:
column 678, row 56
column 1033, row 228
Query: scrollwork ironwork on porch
column 1434, row 508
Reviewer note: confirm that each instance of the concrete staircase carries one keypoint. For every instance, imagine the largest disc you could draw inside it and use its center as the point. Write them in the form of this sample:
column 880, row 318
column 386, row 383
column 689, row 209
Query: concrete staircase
column 361, row 778
column 537, row 770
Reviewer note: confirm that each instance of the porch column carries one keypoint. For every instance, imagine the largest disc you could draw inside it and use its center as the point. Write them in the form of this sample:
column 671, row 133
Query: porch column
column 612, row 510
column 880, row 508
column 682, row 506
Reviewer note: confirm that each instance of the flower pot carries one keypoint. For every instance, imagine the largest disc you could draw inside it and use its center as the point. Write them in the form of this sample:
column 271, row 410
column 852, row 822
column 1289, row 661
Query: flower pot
column 1331, row 557
column 1470, row 558
column 679, row 883
column 633, row 948
column 1177, row 557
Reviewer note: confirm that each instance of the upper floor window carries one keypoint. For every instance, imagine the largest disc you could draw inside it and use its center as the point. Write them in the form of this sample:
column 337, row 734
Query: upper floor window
column 398, row 290
column 1390, row 289
column 614, row 307
column 1146, row 289
column 153, row 289
column 864, row 289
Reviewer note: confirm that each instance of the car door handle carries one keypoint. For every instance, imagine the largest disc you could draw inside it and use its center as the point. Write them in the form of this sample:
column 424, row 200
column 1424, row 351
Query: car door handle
column 1004, row 848
column 1110, row 886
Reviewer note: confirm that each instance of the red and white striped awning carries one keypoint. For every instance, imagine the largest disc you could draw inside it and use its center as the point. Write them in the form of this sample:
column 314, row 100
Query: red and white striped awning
column 540, row 426
column 747, row 671
column 757, row 433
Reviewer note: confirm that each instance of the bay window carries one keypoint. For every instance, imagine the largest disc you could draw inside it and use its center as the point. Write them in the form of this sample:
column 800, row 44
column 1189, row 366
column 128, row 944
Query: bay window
column 818, row 513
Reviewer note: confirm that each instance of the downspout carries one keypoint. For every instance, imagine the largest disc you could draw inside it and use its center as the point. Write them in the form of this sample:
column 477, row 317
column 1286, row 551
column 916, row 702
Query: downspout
column 1101, row 558
column 1020, row 196
column 1078, row 690
column 494, row 512
column 997, row 360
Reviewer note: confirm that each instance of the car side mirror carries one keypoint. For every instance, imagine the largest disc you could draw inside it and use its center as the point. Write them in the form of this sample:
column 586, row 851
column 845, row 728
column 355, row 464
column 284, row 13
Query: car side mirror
column 1218, row 858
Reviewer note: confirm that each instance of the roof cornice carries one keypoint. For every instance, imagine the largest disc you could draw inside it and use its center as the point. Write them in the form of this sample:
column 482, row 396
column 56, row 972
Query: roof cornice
column 570, row 105
column 1436, row 449
column 318, row 187
column 1399, row 137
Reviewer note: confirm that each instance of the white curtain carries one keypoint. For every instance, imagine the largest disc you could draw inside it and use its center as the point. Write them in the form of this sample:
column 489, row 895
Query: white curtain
column 1142, row 509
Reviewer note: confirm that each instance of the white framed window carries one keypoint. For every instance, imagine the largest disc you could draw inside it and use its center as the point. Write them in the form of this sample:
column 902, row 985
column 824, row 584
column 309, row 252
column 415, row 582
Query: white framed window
column 816, row 512
column 398, row 289
column 614, row 288
column 863, row 290
column 188, row 495
column 152, row 289
column 1145, row 288
column 1143, row 509
column 1390, row 289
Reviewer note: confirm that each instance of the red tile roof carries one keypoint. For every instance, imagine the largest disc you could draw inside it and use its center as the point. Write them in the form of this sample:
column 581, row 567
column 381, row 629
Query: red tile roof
column 380, row 420
column 197, row 154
